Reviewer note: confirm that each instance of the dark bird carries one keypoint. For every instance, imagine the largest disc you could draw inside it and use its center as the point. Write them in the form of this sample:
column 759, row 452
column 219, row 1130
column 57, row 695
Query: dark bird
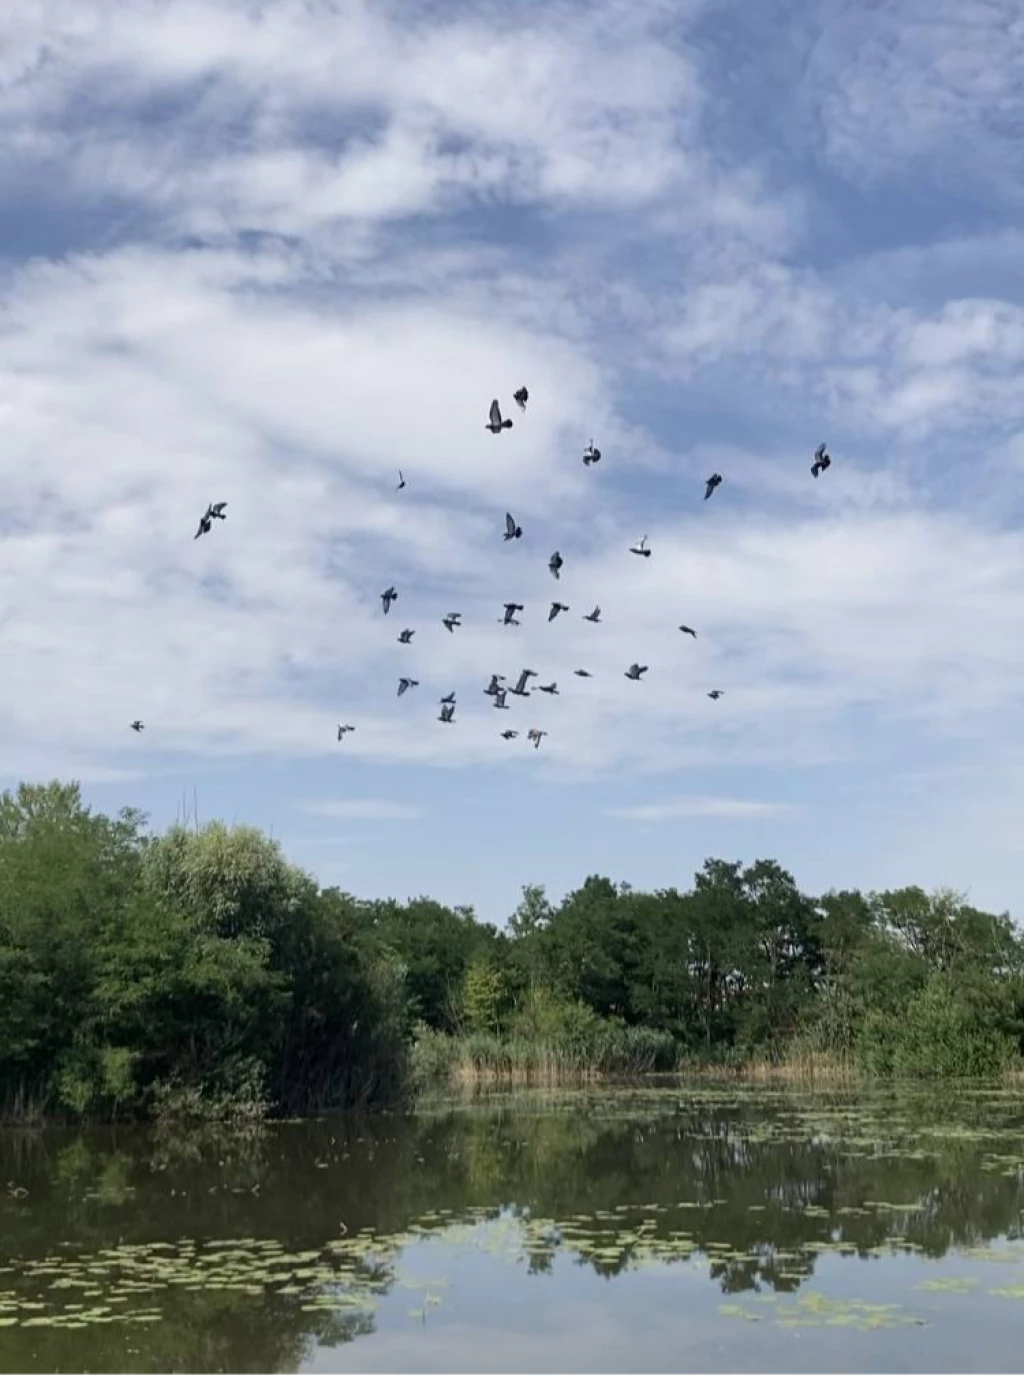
column 499, row 701
column 404, row 684
column 555, row 564
column 510, row 612
column 521, row 397
column 509, row 734
column 204, row 526
column 447, row 701
column 495, row 424
column 406, row 637
column 582, row 673
column 447, row 714
column 591, row 455
column 715, row 693
column 687, row 630
column 594, row 616
column 216, row 511
column 343, row 730
column 821, row 461
column 550, row 688
column 401, row 481
column 556, row 607
column 512, row 530
column 387, row 598
column 635, row 670
column 641, row 549
column 137, row 726
column 450, row 621
column 492, row 689
column 536, row 736
column 715, row 480
column 520, row 688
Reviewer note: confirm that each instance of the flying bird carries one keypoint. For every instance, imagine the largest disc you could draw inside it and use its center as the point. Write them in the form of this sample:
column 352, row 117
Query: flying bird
column 688, row 630
column 447, row 714
column 536, row 736
column 401, row 481
column 404, row 684
column 495, row 424
column 492, row 689
column 594, row 616
column 821, row 461
column 641, row 548
column 520, row 688
column 447, row 701
column 510, row 613
column 521, row 397
column 216, row 511
column 205, row 523
column 715, row 480
column 453, row 619
column 137, row 726
column 512, row 530
column 406, row 637
column 499, row 701
column 550, row 688
column 591, row 455
column 556, row 607
column 715, row 693
column 555, row 564
column 509, row 734
column 342, row 731
column 582, row 673
column 635, row 670
column 387, row 598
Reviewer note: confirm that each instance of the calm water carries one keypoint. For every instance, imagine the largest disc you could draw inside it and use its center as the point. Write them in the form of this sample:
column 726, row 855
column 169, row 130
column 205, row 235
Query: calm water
column 663, row 1229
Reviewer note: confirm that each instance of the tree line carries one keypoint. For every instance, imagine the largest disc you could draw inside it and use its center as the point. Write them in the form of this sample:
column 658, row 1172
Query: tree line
column 198, row 972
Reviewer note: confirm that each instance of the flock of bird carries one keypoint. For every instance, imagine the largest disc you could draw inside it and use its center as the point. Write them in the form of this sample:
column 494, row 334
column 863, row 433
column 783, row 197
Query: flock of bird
column 453, row 620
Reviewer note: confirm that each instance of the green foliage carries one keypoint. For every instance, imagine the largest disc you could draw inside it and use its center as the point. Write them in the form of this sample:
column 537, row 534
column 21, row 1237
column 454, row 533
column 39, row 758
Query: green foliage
column 197, row 973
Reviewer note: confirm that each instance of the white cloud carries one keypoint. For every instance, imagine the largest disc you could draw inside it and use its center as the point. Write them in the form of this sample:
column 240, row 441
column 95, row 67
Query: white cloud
column 733, row 808
column 363, row 809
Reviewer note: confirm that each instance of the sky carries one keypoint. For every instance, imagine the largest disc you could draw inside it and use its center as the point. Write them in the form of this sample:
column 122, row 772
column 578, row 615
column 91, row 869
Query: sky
column 271, row 253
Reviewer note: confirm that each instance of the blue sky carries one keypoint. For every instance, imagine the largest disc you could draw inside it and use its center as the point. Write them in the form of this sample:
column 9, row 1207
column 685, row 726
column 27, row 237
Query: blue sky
column 270, row 254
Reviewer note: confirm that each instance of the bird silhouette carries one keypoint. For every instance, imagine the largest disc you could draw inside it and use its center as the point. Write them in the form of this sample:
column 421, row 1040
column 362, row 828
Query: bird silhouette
column 521, row 397
column 401, row 481
column 343, row 730
column 509, row 734
column 591, row 455
column 453, row 619
column 687, row 630
column 495, row 424
column 404, row 684
column 715, row 693
column 582, row 673
column 550, row 688
column 635, row 671
column 510, row 613
column 536, row 736
column 595, row 616
column 387, row 598
column 715, row 480
column 406, row 637
column 556, row 607
column 821, row 461
column 137, row 726
column 555, row 564
column 447, row 713
column 641, row 549
column 447, row 701
column 512, row 530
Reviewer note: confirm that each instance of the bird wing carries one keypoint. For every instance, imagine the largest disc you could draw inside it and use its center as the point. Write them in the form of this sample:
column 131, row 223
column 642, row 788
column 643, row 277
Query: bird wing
column 510, row 525
column 495, row 412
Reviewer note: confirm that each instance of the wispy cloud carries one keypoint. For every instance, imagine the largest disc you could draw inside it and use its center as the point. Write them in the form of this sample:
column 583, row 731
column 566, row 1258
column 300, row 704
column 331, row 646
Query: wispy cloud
column 734, row 808
column 363, row 809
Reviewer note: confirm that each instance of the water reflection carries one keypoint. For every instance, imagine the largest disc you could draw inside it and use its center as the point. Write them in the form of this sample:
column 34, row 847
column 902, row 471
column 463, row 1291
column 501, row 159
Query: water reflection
column 203, row 1250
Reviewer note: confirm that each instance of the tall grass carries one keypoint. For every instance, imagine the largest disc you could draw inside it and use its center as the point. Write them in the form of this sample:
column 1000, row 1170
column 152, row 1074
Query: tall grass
column 480, row 1058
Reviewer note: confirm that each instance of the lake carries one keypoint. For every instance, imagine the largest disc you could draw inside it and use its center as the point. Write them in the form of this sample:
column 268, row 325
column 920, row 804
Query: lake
column 662, row 1228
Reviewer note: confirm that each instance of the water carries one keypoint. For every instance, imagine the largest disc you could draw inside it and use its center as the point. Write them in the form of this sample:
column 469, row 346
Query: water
column 657, row 1229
